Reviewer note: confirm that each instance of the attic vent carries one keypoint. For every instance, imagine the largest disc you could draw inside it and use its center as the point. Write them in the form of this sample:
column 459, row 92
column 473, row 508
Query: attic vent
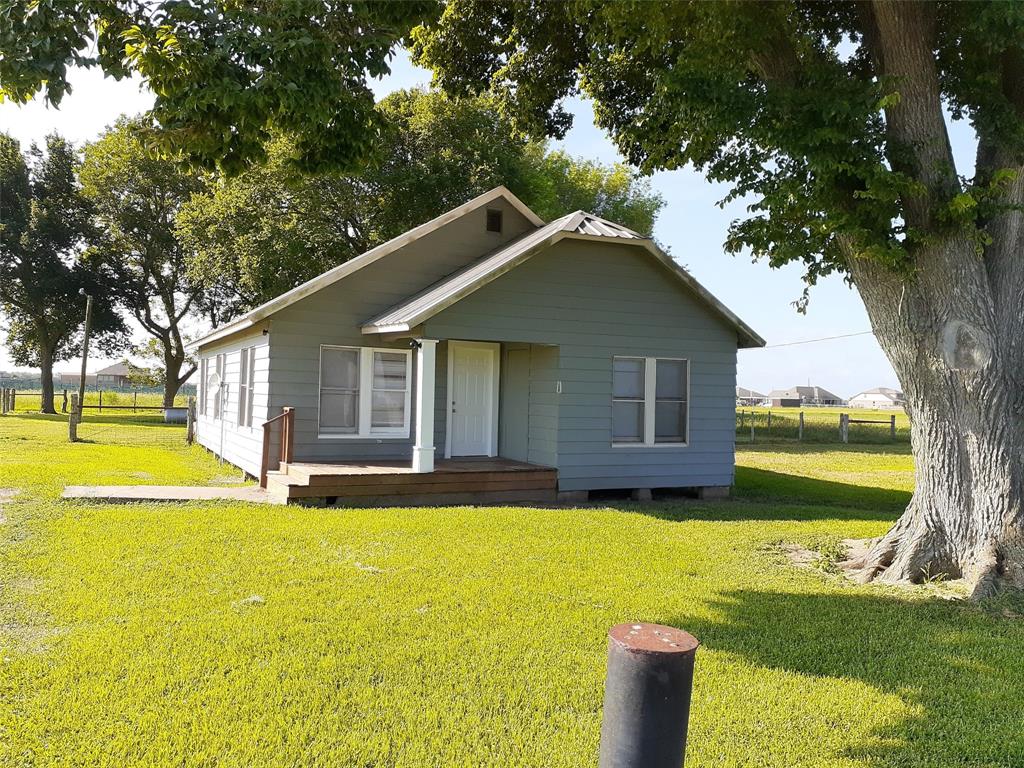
column 493, row 221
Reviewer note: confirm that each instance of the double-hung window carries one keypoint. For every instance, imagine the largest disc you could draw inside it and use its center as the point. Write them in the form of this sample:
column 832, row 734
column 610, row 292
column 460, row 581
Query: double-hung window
column 650, row 401
column 220, row 390
column 204, row 371
column 365, row 392
column 246, row 379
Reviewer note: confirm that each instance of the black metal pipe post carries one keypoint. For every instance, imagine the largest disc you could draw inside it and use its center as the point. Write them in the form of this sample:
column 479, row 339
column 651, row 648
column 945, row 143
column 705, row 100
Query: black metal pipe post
column 647, row 696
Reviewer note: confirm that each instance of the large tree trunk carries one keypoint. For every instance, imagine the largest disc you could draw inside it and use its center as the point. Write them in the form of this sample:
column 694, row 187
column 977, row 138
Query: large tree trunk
column 955, row 355
column 173, row 362
column 46, row 375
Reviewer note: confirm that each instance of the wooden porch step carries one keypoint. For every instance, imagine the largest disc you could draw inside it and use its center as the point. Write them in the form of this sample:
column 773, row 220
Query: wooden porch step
column 309, row 477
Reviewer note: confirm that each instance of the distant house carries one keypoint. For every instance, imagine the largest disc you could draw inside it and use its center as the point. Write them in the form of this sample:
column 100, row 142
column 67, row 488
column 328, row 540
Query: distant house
column 746, row 396
column 485, row 356
column 113, row 376
column 795, row 397
column 72, row 379
column 879, row 397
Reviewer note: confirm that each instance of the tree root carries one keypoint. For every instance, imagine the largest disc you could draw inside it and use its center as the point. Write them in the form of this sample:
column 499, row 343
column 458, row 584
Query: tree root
column 908, row 553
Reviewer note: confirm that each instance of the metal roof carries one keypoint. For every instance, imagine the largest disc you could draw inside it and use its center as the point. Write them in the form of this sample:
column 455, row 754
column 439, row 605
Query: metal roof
column 424, row 305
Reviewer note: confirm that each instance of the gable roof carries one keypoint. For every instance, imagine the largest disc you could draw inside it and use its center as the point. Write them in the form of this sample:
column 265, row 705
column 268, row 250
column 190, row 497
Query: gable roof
column 577, row 225
column 341, row 271
column 748, row 393
column 117, row 369
column 404, row 316
column 889, row 392
column 811, row 392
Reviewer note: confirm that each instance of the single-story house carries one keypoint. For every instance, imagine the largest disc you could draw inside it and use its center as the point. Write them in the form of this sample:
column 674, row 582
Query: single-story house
column 794, row 397
column 749, row 397
column 72, row 379
column 113, row 376
column 879, row 397
column 484, row 355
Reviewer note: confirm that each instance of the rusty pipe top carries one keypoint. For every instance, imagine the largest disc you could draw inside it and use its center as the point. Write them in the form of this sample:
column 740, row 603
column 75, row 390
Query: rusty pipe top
column 652, row 638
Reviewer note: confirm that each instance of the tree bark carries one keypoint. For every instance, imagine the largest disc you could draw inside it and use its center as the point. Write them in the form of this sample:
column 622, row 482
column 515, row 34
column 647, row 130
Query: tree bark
column 46, row 374
column 955, row 356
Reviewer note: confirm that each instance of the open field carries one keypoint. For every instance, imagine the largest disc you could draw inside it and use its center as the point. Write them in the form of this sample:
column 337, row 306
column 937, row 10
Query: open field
column 240, row 635
column 821, row 425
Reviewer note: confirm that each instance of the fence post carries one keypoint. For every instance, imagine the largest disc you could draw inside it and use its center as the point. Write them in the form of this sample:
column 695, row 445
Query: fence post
column 135, row 400
column 769, row 423
column 190, row 421
column 14, row 402
column 647, row 696
column 64, row 402
column 844, row 427
column 73, row 420
column 800, row 431
column 101, row 401
column 751, row 426
column 892, row 427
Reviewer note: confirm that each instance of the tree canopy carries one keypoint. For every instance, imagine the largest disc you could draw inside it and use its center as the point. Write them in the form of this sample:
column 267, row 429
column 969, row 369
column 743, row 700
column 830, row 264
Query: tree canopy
column 273, row 227
column 45, row 227
column 135, row 199
column 830, row 118
column 225, row 75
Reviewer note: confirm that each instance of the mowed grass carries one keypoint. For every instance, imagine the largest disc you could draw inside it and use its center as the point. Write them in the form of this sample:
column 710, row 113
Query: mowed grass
column 244, row 635
column 821, row 425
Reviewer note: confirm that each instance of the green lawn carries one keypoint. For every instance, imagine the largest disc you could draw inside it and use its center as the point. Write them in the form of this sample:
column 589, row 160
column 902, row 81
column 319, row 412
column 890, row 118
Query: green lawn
column 821, row 425
column 234, row 635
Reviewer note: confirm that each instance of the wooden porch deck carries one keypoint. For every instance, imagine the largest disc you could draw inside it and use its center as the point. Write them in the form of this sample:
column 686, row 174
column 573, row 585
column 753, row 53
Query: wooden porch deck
column 392, row 483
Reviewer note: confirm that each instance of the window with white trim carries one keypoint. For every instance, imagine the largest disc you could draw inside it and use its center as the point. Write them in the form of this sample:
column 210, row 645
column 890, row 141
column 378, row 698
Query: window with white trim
column 218, row 393
column 246, row 378
column 650, row 401
column 365, row 392
column 204, row 369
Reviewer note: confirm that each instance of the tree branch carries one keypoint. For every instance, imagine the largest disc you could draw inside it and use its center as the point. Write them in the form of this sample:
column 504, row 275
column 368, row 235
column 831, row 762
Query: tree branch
column 919, row 142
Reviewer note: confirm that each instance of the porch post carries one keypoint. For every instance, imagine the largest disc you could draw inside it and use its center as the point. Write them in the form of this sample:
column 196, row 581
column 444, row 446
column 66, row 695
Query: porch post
column 423, row 450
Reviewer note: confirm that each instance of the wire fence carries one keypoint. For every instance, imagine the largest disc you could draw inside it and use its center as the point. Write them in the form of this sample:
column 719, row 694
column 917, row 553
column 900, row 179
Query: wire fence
column 148, row 428
column 102, row 400
column 821, row 426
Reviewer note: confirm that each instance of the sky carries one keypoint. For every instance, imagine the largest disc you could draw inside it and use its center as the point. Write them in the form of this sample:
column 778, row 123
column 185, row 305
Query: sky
column 691, row 225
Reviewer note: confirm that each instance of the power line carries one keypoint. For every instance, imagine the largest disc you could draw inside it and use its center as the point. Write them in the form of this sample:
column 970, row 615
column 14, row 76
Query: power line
column 812, row 341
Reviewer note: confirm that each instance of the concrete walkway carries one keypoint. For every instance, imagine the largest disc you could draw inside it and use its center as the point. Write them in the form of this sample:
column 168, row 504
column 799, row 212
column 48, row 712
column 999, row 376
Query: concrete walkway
column 118, row 494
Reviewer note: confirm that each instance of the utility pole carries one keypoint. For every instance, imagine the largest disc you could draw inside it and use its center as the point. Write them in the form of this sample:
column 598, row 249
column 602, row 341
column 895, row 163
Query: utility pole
column 85, row 349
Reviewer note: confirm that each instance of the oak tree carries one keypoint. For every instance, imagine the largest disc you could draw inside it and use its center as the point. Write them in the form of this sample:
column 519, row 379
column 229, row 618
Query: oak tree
column 135, row 198
column 830, row 117
column 43, row 231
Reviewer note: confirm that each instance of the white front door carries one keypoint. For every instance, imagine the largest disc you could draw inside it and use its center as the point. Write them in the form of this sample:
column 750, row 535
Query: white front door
column 472, row 401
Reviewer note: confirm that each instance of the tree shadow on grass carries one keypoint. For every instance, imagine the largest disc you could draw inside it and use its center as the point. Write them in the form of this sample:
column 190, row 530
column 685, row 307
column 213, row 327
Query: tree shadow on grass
column 764, row 485
column 961, row 668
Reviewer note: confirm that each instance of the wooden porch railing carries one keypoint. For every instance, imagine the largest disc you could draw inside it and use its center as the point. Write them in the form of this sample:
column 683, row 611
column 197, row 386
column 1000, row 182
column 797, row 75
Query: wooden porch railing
column 287, row 419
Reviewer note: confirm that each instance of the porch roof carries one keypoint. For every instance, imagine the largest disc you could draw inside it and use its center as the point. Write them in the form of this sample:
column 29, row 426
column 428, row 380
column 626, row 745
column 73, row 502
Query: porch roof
column 579, row 225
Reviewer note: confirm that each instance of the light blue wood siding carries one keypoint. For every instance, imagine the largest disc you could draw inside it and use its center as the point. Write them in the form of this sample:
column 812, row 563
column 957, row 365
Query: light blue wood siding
column 240, row 445
column 595, row 301
column 335, row 314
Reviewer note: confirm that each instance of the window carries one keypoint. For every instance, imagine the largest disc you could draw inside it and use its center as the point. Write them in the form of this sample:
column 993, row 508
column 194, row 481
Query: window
column 220, row 390
column 493, row 220
column 246, row 377
column 365, row 392
column 339, row 390
column 628, row 399
column 204, row 369
column 650, row 401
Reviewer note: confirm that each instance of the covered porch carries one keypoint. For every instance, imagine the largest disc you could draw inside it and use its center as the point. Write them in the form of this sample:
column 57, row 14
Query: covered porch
column 451, row 481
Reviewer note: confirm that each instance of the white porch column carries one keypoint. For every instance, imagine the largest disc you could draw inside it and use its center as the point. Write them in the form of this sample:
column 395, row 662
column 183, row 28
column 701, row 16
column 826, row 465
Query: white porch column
column 423, row 450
